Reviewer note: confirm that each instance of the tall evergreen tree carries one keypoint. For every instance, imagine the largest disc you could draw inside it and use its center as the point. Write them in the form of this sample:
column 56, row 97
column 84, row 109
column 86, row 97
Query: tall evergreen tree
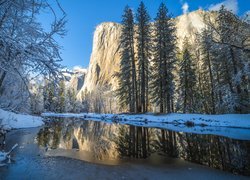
column 207, row 70
column 71, row 101
column 143, row 36
column 163, row 62
column 49, row 96
column 187, row 86
column 127, row 91
column 61, row 97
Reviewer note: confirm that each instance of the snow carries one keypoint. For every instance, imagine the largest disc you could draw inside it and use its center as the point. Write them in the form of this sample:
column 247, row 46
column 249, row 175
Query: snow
column 10, row 120
column 235, row 126
column 79, row 69
column 4, row 155
column 225, row 120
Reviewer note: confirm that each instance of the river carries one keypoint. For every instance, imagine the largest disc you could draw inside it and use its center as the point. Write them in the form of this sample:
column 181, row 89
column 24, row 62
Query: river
column 70, row 148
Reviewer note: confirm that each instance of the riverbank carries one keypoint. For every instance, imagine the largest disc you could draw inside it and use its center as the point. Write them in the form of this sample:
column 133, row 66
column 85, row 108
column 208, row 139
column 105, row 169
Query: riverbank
column 235, row 126
column 11, row 120
column 224, row 120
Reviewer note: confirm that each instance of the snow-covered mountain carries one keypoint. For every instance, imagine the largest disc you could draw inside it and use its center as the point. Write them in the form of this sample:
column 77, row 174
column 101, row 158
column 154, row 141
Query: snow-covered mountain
column 188, row 25
column 105, row 57
column 74, row 79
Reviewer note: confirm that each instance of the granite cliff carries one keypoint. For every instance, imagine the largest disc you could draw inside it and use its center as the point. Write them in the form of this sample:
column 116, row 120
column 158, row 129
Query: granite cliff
column 105, row 57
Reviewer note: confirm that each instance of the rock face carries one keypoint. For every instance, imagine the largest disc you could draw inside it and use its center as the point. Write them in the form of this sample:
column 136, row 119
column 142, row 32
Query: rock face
column 104, row 61
column 188, row 25
column 105, row 57
column 75, row 78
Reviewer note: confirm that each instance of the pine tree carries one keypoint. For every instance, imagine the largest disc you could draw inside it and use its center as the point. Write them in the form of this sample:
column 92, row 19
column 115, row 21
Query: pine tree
column 71, row 101
column 127, row 91
column 49, row 96
column 208, row 77
column 231, row 61
column 85, row 101
column 143, row 36
column 61, row 97
column 74, row 100
column 187, row 86
column 163, row 62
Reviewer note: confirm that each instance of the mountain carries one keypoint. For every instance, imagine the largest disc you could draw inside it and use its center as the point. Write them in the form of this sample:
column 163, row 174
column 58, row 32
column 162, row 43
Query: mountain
column 188, row 25
column 105, row 57
column 74, row 79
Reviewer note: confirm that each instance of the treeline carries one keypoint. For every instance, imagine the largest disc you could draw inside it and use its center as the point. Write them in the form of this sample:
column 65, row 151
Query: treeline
column 62, row 98
column 54, row 97
column 210, row 75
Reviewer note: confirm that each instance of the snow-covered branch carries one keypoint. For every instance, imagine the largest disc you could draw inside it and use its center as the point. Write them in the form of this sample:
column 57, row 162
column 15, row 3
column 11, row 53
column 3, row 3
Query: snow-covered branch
column 27, row 50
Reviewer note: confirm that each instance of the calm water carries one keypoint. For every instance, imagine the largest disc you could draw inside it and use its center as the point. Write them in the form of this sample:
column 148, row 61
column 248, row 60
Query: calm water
column 110, row 143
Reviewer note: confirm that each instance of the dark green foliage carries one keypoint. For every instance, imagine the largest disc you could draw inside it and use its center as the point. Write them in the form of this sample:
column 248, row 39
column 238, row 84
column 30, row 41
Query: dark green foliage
column 207, row 79
column 48, row 95
column 143, row 36
column 213, row 72
column 127, row 91
column 162, row 79
column 61, row 95
column 187, row 86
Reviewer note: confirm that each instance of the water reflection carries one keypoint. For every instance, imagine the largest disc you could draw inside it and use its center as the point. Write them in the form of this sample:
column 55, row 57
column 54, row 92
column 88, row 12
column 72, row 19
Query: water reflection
column 114, row 141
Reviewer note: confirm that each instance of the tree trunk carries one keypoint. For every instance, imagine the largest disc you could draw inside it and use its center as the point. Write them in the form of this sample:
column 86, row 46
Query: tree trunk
column 134, row 82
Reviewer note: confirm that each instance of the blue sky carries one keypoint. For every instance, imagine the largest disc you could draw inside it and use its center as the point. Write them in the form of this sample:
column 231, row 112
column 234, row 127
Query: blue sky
column 83, row 16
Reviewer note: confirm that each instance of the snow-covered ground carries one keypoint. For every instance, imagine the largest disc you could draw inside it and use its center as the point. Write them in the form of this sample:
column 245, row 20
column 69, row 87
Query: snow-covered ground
column 235, row 126
column 11, row 120
column 230, row 125
column 225, row 120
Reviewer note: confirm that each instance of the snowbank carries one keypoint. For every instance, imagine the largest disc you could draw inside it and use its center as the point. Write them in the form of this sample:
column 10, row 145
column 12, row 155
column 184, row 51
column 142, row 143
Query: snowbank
column 11, row 120
column 236, row 126
column 225, row 120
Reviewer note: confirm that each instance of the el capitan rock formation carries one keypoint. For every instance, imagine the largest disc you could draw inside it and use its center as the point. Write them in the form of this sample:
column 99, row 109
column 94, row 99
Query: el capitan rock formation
column 105, row 57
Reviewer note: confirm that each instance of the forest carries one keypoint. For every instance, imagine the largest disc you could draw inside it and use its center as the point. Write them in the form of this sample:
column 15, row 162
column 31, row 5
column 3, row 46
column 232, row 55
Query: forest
column 210, row 75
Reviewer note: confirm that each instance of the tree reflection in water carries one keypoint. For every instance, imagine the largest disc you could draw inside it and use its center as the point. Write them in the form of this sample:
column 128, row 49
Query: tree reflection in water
column 115, row 141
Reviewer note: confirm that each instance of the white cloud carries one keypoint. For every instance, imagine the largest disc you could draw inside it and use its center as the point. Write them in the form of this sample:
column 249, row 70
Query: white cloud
column 231, row 5
column 185, row 8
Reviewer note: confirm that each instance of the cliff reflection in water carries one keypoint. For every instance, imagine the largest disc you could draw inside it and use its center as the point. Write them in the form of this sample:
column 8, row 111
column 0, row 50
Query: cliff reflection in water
column 115, row 141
